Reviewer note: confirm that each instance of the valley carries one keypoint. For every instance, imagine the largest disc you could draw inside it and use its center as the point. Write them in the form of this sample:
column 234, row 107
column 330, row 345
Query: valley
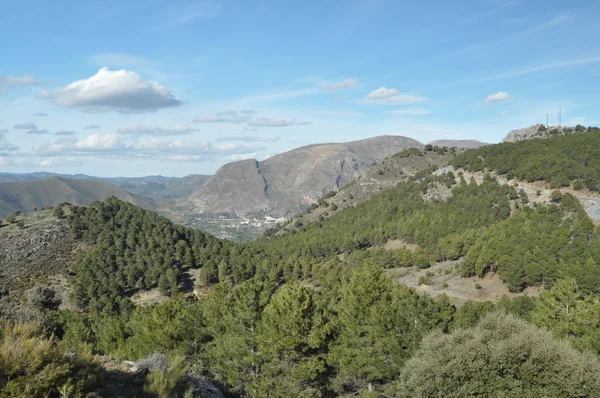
column 433, row 239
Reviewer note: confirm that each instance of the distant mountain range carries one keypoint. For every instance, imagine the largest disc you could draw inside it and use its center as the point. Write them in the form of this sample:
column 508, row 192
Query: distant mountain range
column 246, row 193
column 30, row 195
column 153, row 187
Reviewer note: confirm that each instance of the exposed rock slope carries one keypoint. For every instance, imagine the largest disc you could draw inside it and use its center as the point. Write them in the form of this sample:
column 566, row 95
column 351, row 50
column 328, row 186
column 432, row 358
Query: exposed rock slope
column 287, row 183
column 540, row 131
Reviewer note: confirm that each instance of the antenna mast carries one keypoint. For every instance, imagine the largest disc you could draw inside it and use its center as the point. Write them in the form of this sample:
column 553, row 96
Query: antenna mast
column 559, row 117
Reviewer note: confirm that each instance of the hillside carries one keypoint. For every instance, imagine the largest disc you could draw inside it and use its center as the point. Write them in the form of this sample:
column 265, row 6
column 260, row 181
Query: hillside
column 288, row 182
column 563, row 161
column 386, row 174
column 30, row 195
column 159, row 187
column 460, row 144
column 331, row 294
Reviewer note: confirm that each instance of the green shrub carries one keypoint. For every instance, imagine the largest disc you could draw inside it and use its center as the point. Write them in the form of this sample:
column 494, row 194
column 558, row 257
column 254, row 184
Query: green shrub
column 502, row 356
column 33, row 365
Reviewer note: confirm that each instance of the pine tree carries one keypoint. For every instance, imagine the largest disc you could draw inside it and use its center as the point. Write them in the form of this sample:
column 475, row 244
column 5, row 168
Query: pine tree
column 291, row 364
column 361, row 353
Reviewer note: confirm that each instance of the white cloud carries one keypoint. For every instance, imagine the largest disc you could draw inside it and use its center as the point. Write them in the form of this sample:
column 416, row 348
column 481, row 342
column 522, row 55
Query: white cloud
column 267, row 122
column 120, row 90
column 58, row 162
column 412, row 111
column 91, row 126
column 340, row 98
column 382, row 93
column 225, row 116
column 6, row 146
column 13, row 161
column 497, row 97
column 210, row 119
column 249, row 138
column 37, row 131
column 503, row 113
column 40, row 114
column 7, row 82
column 108, row 145
column 187, row 158
column 342, row 84
column 65, row 132
column 25, row 126
column 140, row 130
column 4, row 131
column 385, row 95
column 97, row 141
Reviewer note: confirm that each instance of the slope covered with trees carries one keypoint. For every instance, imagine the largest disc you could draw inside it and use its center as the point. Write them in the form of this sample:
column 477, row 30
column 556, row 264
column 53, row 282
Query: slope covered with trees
column 311, row 312
column 561, row 161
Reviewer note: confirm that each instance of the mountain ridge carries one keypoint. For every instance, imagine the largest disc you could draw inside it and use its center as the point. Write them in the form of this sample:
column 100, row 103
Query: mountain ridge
column 30, row 195
column 290, row 181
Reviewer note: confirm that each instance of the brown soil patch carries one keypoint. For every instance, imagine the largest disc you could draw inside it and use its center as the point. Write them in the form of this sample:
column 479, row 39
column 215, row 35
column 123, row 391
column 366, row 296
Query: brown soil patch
column 460, row 290
column 396, row 244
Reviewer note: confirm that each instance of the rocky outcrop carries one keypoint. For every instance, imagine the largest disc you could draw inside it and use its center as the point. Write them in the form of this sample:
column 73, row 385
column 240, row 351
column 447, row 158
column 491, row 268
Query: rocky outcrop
column 540, row 131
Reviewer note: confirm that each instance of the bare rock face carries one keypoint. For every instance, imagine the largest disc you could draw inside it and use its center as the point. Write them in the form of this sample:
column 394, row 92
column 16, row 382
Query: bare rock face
column 461, row 144
column 288, row 182
column 539, row 131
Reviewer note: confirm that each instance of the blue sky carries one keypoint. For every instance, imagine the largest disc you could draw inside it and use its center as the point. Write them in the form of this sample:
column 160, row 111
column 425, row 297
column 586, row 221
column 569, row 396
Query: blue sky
column 154, row 87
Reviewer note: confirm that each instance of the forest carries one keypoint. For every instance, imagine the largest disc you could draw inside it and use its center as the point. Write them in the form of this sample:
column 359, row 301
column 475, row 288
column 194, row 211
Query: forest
column 562, row 161
column 312, row 312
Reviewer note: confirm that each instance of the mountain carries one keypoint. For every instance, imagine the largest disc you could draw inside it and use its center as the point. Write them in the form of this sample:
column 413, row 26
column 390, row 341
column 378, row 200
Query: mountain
column 289, row 182
column 461, row 144
column 542, row 131
column 159, row 187
column 386, row 174
column 432, row 257
column 29, row 195
column 154, row 187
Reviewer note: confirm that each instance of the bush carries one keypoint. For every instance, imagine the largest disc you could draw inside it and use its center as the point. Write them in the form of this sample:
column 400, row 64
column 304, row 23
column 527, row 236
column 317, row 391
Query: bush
column 556, row 196
column 166, row 381
column 43, row 298
column 21, row 224
column 502, row 356
column 59, row 213
column 32, row 365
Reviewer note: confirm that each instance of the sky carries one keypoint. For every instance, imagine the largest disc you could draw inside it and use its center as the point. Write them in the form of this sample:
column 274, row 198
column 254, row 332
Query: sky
column 133, row 88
